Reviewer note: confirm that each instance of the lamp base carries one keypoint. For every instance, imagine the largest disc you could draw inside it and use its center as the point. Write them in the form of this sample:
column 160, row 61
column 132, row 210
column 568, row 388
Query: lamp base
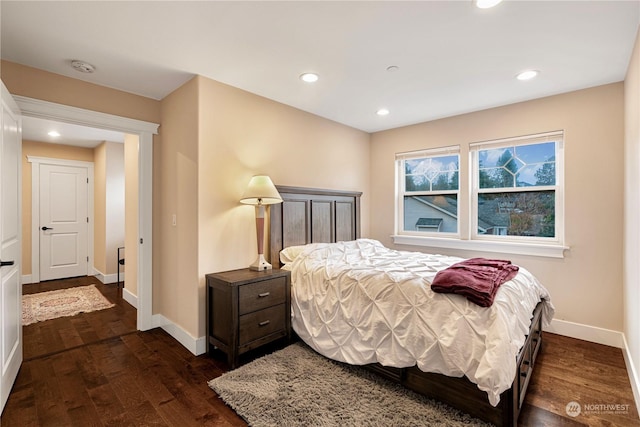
column 260, row 264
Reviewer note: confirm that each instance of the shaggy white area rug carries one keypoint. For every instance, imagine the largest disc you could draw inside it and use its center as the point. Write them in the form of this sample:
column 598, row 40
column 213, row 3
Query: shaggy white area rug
column 61, row 303
column 298, row 387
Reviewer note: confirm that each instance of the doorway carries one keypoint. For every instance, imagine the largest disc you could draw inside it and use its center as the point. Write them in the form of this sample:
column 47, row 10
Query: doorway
column 145, row 131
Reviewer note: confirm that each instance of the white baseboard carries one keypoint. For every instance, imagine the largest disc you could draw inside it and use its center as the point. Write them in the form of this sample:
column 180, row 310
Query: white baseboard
column 587, row 333
column 197, row 346
column 130, row 298
column 634, row 379
column 106, row 278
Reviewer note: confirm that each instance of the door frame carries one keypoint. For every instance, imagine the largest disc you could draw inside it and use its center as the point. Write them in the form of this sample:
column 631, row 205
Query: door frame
column 36, row 162
column 145, row 130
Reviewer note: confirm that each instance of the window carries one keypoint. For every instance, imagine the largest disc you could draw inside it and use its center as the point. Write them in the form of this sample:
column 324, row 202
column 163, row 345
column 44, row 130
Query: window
column 513, row 196
column 429, row 191
column 516, row 190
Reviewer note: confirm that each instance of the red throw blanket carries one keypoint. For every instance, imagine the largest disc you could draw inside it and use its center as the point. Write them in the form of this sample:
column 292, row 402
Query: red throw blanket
column 478, row 279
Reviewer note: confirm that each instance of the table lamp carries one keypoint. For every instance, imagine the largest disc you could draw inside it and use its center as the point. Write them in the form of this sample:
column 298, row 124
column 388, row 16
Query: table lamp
column 260, row 192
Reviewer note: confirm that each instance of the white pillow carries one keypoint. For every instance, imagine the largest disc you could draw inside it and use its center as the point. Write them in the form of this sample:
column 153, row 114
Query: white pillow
column 288, row 255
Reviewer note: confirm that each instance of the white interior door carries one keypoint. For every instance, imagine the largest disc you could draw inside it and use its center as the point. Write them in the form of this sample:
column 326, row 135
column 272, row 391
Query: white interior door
column 10, row 235
column 63, row 222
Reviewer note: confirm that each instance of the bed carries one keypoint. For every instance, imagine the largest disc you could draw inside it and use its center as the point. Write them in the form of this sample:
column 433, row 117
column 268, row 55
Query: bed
column 308, row 219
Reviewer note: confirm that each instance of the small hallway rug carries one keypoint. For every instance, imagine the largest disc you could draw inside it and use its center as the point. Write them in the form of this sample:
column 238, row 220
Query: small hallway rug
column 298, row 387
column 62, row 303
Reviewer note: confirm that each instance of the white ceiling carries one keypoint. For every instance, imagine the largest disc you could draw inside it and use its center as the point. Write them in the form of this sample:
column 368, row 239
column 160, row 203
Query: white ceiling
column 36, row 129
column 453, row 58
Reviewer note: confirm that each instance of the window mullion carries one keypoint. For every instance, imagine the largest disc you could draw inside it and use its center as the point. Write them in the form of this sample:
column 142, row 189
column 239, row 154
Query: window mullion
column 517, row 189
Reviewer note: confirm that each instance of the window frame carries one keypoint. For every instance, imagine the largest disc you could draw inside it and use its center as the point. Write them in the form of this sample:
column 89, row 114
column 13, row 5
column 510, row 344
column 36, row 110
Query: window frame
column 558, row 188
column 467, row 237
column 401, row 191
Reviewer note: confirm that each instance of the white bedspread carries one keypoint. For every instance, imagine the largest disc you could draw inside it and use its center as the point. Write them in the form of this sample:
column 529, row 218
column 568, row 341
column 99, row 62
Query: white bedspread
column 360, row 302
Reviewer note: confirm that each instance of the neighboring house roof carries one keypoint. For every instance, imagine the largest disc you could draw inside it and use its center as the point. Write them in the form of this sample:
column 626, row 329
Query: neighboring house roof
column 429, row 222
column 489, row 215
column 446, row 204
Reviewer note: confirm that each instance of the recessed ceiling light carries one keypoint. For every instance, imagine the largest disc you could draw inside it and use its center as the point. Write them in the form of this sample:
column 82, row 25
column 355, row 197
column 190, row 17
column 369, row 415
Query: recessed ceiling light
column 382, row 112
column 527, row 75
column 486, row 4
column 309, row 77
column 83, row 67
column 54, row 134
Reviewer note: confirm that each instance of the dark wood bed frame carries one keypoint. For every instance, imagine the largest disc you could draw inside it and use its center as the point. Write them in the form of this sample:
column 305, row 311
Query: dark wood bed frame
column 322, row 216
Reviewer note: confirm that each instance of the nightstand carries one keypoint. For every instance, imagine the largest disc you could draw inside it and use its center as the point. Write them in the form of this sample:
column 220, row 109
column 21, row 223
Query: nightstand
column 247, row 309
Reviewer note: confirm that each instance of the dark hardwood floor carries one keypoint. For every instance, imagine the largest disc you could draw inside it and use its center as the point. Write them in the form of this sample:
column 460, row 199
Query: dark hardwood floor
column 95, row 369
column 592, row 375
column 46, row 338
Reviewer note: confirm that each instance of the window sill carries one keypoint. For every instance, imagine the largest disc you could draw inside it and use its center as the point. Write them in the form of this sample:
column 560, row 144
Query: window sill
column 548, row 251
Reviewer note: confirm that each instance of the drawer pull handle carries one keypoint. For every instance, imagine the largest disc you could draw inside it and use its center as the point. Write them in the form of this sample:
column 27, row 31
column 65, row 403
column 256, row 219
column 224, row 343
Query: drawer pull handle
column 264, row 294
column 264, row 323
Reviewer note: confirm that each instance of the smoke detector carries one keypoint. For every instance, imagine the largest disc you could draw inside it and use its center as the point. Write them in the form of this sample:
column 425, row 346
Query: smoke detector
column 83, row 67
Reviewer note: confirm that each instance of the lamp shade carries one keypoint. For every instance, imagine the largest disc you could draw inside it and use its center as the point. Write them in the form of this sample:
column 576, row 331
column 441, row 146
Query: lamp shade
column 261, row 191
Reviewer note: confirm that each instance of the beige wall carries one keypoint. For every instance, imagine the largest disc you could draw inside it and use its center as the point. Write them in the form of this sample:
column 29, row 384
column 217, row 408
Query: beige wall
column 632, row 212
column 115, row 206
column 130, row 218
column 40, row 149
column 109, row 228
column 176, row 192
column 38, row 84
column 215, row 138
column 586, row 286
column 99, row 208
column 242, row 134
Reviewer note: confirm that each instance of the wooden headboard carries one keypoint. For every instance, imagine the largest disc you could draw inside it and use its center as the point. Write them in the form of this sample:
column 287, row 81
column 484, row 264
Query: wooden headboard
column 311, row 215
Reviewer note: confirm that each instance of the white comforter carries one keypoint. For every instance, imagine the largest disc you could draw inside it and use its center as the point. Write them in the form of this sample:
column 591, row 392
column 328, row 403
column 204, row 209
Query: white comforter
column 359, row 302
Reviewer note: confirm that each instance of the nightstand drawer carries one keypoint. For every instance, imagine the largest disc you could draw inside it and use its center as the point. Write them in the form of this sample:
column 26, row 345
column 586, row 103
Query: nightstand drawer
column 263, row 294
column 261, row 323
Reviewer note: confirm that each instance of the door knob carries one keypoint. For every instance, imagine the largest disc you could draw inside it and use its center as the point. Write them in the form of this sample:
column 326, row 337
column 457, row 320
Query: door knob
column 45, row 228
column 3, row 263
